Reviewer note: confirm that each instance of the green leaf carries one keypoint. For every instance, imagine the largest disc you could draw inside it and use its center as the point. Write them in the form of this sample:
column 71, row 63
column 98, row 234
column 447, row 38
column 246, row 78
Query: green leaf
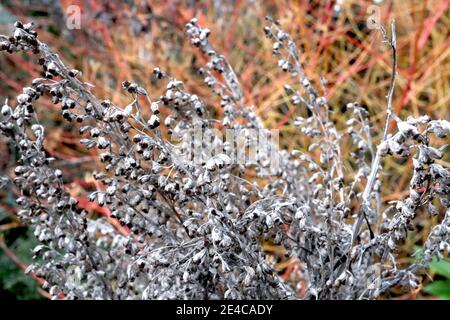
column 13, row 281
column 440, row 289
column 441, row 267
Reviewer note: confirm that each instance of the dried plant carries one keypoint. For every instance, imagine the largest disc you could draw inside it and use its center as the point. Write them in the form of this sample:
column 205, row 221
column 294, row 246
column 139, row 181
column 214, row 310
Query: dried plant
column 194, row 229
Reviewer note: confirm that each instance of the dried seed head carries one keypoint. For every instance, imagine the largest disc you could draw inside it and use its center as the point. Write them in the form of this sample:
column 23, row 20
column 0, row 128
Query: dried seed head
column 153, row 122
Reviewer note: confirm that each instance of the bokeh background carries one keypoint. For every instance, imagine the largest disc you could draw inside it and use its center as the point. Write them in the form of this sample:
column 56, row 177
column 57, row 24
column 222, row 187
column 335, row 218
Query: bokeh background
column 125, row 40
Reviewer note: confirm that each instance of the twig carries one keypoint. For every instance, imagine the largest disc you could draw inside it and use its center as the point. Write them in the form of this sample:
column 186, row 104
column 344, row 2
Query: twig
column 376, row 162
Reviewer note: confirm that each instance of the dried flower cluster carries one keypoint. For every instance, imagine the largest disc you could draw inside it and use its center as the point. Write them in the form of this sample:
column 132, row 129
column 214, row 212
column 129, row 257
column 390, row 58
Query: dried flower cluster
column 194, row 230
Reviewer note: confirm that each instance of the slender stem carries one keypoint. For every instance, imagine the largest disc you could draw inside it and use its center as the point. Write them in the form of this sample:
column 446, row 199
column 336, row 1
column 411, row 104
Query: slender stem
column 376, row 162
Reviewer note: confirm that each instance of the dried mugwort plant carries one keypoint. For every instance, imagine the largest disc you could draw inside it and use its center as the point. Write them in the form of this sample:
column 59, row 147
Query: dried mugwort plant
column 194, row 230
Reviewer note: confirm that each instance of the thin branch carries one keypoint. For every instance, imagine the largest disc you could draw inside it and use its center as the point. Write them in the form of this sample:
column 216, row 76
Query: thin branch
column 376, row 162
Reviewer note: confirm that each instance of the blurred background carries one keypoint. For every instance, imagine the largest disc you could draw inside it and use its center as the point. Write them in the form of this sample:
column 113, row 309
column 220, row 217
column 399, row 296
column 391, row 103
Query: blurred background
column 125, row 40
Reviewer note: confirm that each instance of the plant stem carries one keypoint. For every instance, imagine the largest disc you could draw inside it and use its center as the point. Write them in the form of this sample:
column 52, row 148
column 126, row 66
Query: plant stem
column 376, row 162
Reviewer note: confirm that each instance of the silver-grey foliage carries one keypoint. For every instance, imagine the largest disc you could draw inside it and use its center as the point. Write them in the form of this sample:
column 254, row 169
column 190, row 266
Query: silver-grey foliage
column 195, row 230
